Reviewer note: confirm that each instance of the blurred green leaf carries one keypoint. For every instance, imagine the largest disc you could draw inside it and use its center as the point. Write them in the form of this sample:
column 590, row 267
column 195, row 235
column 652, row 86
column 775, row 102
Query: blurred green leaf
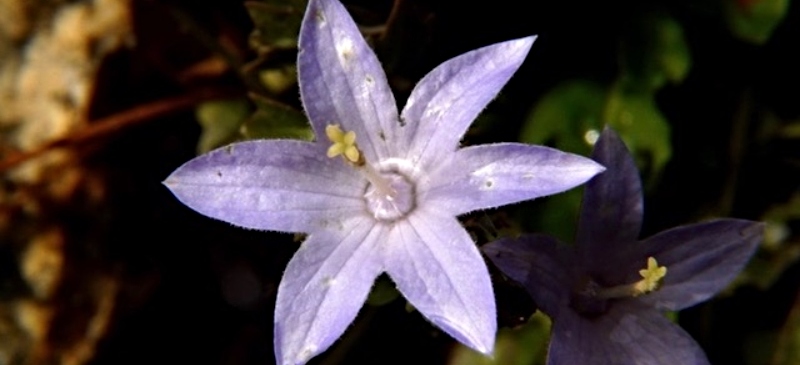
column 636, row 117
column 277, row 22
column 787, row 350
column 759, row 346
column 220, row 121
column 278, row 80
column 383, row 292
column 275, row 120
column 525, row 345
column 571, row 116
column 566, row 116
column 790, row 131
column 755, row 20
column 655, row 53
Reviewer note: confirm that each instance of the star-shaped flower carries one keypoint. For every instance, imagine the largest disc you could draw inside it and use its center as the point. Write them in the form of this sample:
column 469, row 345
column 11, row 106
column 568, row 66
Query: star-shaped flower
column 377, row 191
column 606, row 294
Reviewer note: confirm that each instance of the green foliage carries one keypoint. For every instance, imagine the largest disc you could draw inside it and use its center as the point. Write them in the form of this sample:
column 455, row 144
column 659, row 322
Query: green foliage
column 277, row 23
column 655, row 53
column 788, row 346
column 755, row 20
column 571, row 116
column 275, row 120
column 278, row 80
column 383, row 292
column 566, row 115
column 220, row 121
column 227, row 121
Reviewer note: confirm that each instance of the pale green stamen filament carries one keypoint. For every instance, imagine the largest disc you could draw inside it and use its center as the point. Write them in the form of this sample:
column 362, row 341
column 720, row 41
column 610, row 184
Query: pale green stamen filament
column 345, row 144
column 651, row 280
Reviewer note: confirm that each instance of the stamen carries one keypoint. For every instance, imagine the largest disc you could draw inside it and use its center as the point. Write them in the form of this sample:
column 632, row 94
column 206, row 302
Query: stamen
column 651, row 280
column 651, row 276
column 345, row 144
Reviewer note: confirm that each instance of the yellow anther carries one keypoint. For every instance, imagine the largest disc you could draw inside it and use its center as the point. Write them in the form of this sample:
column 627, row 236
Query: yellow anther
column 343, row 143
column 651, row 280
column 651, row 276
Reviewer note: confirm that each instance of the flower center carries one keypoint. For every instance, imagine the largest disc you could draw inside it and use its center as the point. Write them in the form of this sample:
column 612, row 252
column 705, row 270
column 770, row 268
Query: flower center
column 390, row 194
column 390, row 204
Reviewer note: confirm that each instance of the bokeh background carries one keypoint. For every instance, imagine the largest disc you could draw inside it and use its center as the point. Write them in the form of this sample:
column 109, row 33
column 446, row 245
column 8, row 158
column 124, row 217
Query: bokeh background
column 101, row 99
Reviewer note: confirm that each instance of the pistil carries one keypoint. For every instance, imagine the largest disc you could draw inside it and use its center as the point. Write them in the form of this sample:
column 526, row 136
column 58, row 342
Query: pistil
column 344, row 144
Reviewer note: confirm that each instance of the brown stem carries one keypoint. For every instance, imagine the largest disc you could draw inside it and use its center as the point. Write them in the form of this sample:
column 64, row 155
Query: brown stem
column 117, row 122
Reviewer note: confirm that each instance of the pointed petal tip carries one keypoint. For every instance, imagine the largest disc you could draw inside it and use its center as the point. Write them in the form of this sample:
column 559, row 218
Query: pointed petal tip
column 486, row 351
column 753, row 229
column 518, row 47
column 599, row 168
column 751, row 232
column 592, row 168
column 170, row 182
column 526, row 42
column 480, row 342
column 608, row 133
column 483, row 342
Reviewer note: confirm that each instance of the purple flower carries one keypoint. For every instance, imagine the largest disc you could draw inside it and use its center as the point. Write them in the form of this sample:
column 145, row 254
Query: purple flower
column 606, row 294
column 377, row 191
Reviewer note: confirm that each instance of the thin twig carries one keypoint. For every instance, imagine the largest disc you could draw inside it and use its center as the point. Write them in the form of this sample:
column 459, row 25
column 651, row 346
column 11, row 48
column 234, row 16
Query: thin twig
column 117, row 122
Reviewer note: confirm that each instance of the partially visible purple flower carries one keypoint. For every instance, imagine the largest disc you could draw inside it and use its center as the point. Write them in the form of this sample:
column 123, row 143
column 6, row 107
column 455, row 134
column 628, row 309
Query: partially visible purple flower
column 389, row 203
column 606, row 294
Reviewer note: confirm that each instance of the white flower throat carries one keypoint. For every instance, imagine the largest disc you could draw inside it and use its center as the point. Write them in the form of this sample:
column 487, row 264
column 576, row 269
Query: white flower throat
column 390, row 193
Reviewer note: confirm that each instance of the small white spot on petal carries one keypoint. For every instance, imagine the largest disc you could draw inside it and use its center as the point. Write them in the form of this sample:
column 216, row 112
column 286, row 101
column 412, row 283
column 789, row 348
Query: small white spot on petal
column 434, row 112
column 591, row 136
column 320, row 17
column 485, row 171
column 328, row 281
column 344, row 47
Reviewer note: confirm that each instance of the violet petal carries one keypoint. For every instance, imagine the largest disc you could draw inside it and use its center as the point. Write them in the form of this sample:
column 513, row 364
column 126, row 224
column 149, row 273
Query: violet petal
column 275, row 185
column 611, row 211
column 630, row 333
column 492, row 175
column 701, row 259
column 448, row 99
column 540, row 263
column 438, row 268
column 324, row 286
column 342, row 82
